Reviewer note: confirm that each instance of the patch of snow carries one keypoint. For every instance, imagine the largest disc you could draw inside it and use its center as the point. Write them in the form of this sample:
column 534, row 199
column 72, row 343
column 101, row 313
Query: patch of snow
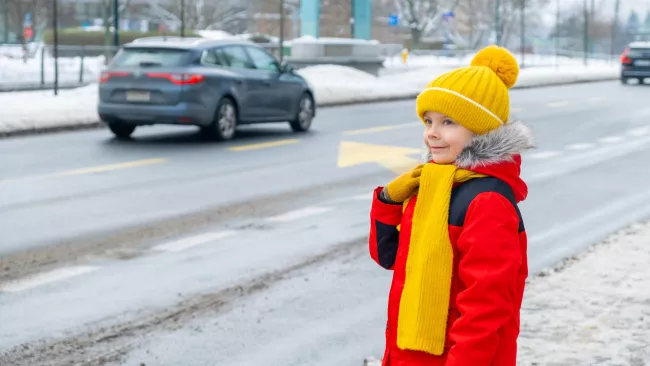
column 459, row 59
column 331, row 40
column 215, row 34
column 18, row 71
column 593, row 309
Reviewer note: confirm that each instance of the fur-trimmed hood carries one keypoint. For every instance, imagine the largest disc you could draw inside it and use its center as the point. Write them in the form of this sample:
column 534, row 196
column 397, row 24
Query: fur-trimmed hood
column 496, row 146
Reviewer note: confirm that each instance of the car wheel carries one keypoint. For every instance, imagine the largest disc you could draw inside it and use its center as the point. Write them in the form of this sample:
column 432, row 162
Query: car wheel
column 121, row 130
column 624, row 81
column 225, row 121
column 641, row 81
column 305, row 115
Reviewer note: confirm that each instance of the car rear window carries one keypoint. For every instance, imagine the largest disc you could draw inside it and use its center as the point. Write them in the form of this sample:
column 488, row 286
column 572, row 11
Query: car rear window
column 150, row 57
column 639, row 52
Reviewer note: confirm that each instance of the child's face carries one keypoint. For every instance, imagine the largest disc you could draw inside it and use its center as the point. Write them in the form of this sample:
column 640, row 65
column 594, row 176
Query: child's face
column 444, row 138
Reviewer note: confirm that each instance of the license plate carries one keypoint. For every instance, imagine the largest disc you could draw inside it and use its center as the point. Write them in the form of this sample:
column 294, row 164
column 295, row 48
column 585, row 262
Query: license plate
column 138, row 96
column 642, row 62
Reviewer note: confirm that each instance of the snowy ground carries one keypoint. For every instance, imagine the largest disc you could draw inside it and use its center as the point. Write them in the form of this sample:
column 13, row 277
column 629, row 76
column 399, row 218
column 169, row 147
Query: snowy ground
column 14, row 70
column 332, row 85
column 530, row 60
column 593, row 309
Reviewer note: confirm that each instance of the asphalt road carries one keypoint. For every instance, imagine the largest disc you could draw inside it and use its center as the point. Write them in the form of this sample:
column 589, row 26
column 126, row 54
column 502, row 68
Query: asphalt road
column 170, row 250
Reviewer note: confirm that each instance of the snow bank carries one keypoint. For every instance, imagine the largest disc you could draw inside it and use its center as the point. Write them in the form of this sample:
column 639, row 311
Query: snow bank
column 338, row 84
column 16, row 71
column 332, row 85
column 532, row 60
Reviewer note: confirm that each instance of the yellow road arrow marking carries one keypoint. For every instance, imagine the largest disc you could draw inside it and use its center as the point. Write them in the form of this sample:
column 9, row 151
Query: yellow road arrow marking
column 393, row 158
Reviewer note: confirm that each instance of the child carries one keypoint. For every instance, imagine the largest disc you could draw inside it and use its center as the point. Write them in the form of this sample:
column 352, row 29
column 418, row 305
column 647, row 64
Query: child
column 451, row 230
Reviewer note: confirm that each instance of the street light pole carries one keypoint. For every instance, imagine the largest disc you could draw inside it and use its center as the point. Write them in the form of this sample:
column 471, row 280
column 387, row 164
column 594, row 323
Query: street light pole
column 116, row 23
column 5, row 9
column 182, row 18
column 281, row 40
column 586, row 30
column 497, row 25
column 55, row 25
column 617, row 8
column 557, row 33
column 523, row 32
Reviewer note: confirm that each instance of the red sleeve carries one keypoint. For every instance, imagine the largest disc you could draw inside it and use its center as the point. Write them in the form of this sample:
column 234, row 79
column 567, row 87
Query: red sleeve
column 490, row 259
column 384, row 236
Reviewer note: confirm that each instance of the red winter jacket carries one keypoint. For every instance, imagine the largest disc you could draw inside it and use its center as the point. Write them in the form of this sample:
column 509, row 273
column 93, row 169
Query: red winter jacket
column 490, row 265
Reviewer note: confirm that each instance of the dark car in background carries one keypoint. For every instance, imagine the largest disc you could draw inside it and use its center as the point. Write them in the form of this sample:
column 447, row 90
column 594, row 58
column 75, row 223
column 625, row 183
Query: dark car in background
column 213, row 84
column 635, row 62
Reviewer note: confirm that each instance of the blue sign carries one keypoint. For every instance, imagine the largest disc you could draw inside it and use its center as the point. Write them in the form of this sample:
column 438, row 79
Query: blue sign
column 448, row 15
column 28, row 19
column 393, row 20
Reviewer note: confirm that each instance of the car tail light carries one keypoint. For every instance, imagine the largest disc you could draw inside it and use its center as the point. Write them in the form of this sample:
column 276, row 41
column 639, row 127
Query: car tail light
column 106, row 75
column 625, row 60
column 179, row 79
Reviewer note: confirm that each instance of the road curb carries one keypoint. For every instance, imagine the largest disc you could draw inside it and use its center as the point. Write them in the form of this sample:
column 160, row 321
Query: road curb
column 91, row 125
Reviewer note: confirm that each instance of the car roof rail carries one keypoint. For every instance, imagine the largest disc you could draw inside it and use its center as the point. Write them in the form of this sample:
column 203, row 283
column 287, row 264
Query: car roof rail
column 168, row 39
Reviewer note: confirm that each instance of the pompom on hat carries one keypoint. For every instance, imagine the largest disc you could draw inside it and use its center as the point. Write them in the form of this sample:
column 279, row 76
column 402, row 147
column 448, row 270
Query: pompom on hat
column 475, row 96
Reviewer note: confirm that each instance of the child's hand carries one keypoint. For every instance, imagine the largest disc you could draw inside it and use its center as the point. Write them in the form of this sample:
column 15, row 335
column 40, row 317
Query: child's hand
column 404, row 186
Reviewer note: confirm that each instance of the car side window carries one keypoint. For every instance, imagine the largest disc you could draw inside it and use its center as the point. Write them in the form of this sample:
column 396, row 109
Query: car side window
column 236, row 57
column 262, row 60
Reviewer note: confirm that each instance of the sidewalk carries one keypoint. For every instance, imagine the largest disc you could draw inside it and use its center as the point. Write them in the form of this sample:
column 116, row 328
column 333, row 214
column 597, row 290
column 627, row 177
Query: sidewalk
column 593, row 309
column 30, row 112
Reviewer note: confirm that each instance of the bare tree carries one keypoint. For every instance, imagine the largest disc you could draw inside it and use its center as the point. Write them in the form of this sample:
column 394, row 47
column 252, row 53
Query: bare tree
column 213, row 14
column 422, row 17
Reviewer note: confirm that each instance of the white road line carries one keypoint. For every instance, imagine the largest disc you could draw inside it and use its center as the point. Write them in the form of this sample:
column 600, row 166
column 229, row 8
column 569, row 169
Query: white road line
column 364, row 197
column 186, row 243
column 543, row 154
column 580, row 146
column 638, row 132
column 40, row 279
column 560, row 104
column 597, row 99
column 299, row 214
column 611, row 139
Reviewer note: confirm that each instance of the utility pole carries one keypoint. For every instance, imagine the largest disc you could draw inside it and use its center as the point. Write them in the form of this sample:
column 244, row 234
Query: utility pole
column 617, row 9
column 523, row 32
column 55, row 25
column 5, row 9
column 586, row 31
column 497, row 21
column 557, row 32
column 182, row 18
column 352, row 20
column 116, row 23
column 281, row 31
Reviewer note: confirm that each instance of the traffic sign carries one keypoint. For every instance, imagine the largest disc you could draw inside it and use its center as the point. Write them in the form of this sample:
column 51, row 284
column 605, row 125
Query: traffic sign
column 393, row 20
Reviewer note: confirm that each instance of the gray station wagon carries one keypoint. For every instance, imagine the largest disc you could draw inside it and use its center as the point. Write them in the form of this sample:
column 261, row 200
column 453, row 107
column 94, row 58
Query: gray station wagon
column 213, row 84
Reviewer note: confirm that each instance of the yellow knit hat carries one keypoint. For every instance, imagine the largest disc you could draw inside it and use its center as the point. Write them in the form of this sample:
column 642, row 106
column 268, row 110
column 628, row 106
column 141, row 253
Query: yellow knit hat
column 475, row 96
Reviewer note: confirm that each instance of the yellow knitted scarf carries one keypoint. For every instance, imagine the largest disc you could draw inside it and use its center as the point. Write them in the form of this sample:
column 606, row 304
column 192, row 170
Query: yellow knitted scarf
column 424, row 304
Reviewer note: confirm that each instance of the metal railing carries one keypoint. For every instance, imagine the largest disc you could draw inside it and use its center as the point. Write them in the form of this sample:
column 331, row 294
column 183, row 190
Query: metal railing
column 77, row 66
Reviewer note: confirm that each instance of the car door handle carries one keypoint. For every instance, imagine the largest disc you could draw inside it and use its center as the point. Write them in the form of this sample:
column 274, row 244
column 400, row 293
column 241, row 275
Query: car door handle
column 267, row 83
column 238, row 82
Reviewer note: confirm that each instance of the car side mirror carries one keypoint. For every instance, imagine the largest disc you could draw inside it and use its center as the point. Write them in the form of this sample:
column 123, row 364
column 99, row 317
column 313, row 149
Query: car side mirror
column 286, row 67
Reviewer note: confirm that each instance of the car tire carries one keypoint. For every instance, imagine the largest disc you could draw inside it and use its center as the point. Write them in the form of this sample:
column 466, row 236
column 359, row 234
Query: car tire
column 305, row 115
column 641, row 81
column 225, row 121
column 122, row 131
column 624, row 81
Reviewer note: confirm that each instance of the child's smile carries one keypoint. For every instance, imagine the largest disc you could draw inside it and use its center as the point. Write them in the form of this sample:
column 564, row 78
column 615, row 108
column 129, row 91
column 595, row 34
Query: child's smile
column 444, row 138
